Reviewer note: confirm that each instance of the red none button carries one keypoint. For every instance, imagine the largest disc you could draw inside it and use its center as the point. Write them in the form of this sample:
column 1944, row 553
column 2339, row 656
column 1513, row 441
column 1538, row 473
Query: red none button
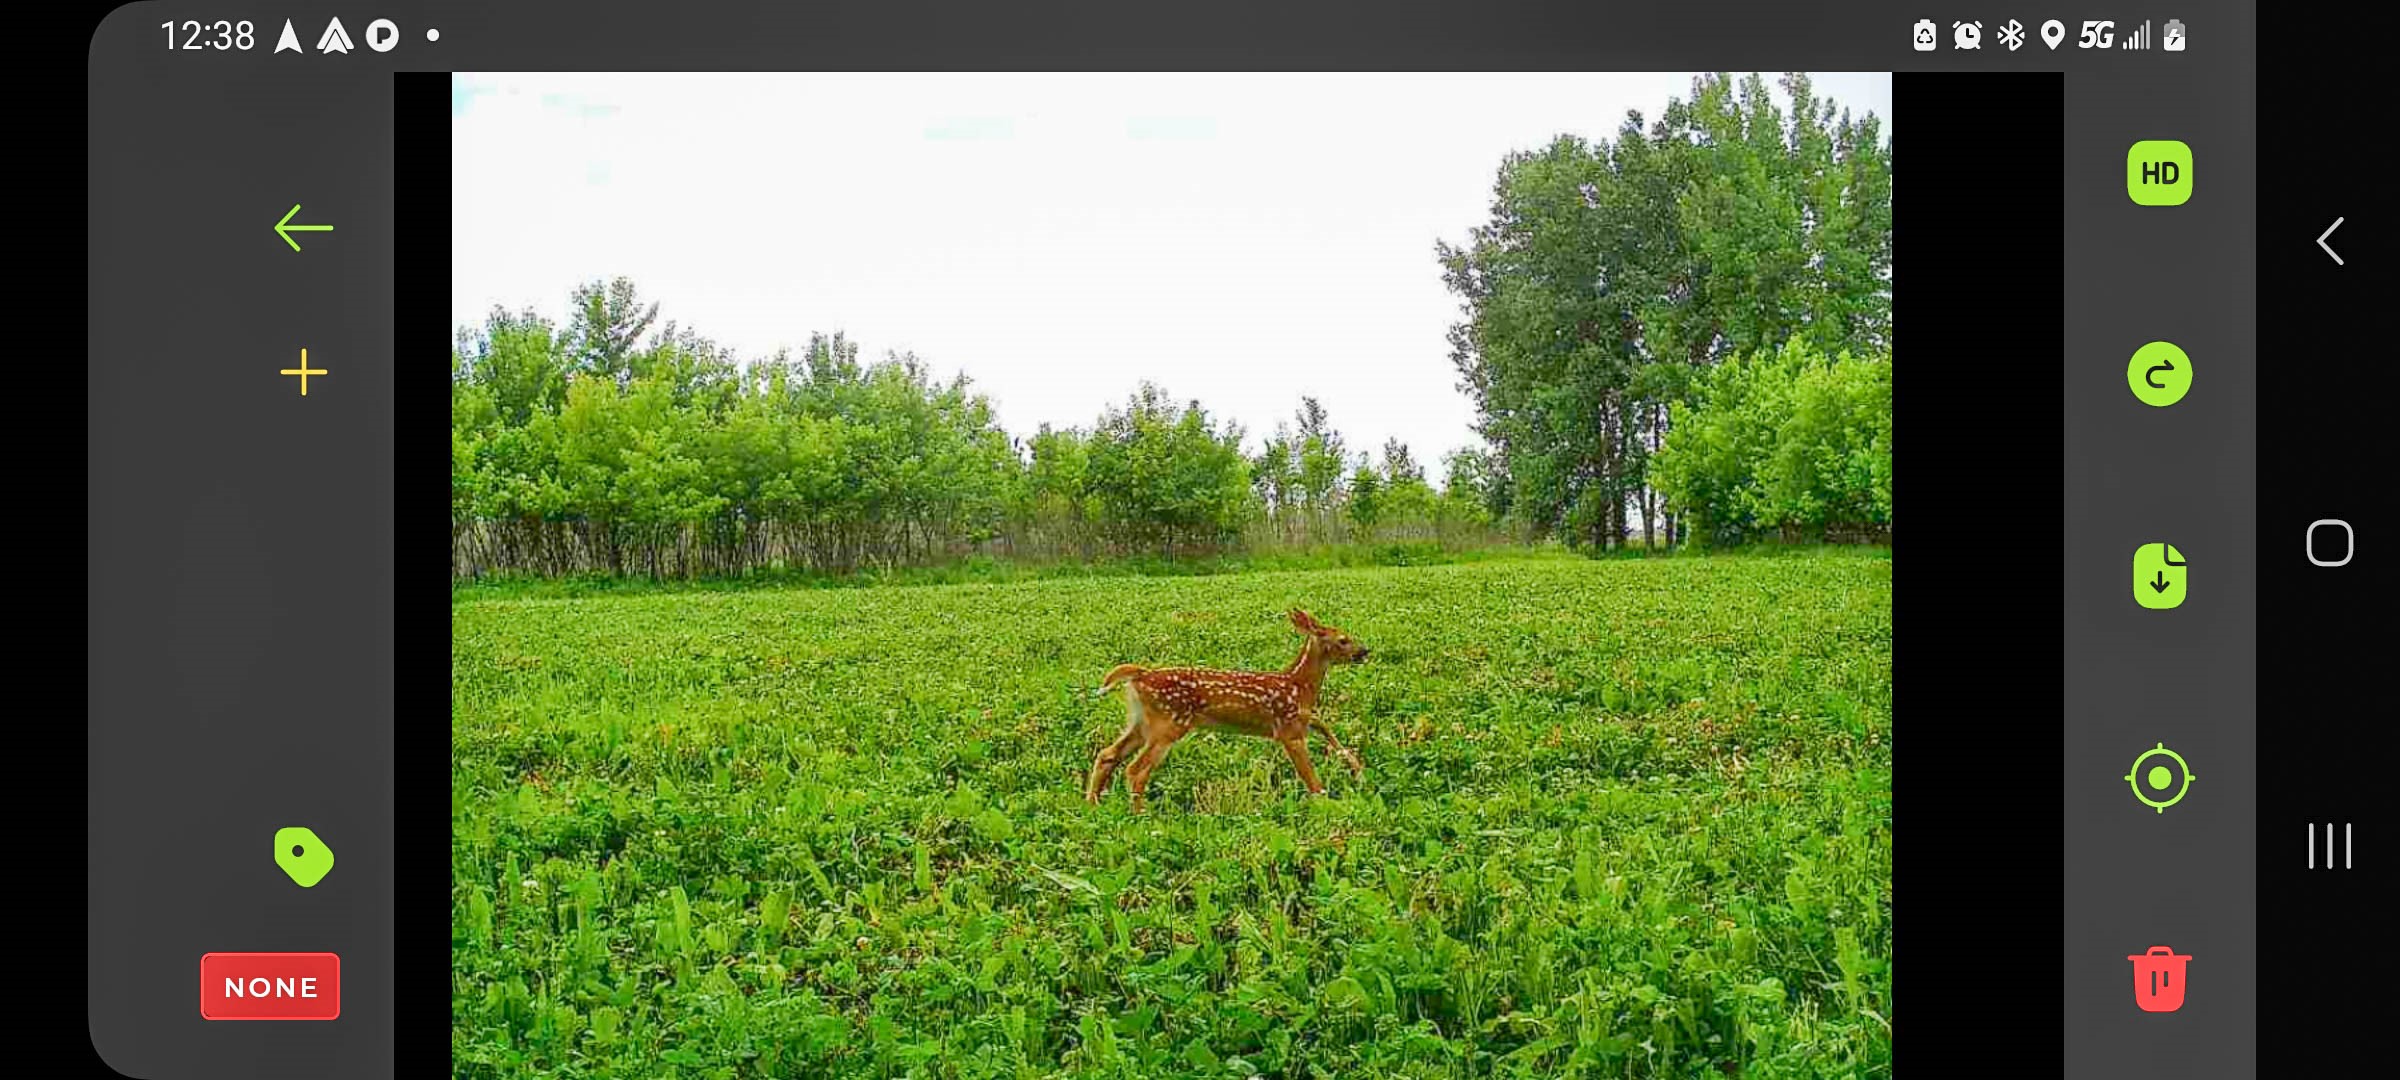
column 270, row 986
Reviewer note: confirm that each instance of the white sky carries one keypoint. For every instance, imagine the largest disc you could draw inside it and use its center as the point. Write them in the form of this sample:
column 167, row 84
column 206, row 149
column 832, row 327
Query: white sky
column 1240, row 239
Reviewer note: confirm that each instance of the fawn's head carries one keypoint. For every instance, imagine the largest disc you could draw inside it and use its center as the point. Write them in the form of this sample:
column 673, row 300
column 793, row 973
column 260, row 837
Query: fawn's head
column 1336, row 645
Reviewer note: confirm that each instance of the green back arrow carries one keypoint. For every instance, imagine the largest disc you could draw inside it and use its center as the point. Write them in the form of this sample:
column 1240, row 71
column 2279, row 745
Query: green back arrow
column 285, row 228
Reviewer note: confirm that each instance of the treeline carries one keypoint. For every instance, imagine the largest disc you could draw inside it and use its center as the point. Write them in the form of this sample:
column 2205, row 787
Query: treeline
column 1681, row 335
column 1614, row 278
column 603, row 446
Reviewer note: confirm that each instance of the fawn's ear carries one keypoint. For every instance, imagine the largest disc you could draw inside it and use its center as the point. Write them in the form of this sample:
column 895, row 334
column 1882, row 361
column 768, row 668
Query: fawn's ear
column 1303, row 622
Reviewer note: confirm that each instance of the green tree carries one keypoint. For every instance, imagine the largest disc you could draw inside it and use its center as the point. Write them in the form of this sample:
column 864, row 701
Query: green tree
column 516, row 363
column 1321, row 459
column 1059, row 491
column 1166, row 476
column 1399, row 465
column 1366, row 497
column 1609, row 272
column 1790, row 443
column 605, row 324
column 1275, row 476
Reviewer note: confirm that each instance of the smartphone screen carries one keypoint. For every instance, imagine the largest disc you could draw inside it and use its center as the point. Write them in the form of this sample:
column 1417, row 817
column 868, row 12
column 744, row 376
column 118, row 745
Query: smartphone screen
column 1339, row 540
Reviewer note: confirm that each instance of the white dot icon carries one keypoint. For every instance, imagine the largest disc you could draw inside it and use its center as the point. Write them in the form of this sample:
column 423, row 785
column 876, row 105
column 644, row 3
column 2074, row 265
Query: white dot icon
column 433, row 35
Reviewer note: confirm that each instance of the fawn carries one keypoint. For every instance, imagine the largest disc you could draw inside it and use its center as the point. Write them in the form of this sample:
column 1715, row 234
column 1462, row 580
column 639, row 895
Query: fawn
column 1162, row 705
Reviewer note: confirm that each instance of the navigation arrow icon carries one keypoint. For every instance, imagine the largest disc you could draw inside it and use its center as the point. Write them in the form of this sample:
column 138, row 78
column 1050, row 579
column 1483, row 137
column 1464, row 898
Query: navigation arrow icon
column 289, row 42
column 336, row 39
column 2337, row 223
column 285, row 228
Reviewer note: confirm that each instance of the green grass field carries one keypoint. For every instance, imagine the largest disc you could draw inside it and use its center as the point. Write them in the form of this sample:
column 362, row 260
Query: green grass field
column 1620, row 818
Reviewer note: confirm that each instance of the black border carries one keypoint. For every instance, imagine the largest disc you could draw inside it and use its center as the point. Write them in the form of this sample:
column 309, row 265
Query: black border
column 2324, row 451
column 1980, row 442
column 1978, row 621
column 1976, row 618
column 421, row 285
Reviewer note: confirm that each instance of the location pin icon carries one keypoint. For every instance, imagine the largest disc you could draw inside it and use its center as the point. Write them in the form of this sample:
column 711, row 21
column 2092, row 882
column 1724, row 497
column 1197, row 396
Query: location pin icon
column 302, row 855
column 2053, row 32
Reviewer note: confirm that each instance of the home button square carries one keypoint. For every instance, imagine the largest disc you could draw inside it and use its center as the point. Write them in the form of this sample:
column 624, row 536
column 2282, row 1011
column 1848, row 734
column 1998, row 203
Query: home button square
column 2322, row 542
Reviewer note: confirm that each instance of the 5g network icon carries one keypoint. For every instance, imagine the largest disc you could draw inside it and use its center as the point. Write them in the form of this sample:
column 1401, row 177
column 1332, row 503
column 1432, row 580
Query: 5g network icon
column 2097, row 35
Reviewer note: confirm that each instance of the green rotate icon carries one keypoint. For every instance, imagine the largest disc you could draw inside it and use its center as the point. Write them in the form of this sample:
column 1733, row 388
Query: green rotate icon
column 2159, row 373
column 2152, row 781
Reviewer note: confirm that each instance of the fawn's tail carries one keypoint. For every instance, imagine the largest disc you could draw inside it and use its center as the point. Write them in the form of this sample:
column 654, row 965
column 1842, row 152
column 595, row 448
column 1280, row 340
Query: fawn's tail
column 1118, row 674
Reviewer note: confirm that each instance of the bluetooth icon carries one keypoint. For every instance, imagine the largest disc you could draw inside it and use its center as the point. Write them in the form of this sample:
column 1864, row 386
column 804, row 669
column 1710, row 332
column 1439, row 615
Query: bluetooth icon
column 2013, row 35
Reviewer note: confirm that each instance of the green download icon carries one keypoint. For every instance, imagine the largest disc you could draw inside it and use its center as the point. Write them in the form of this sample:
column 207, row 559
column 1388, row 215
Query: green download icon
column 302, row 855
column 2158, row 573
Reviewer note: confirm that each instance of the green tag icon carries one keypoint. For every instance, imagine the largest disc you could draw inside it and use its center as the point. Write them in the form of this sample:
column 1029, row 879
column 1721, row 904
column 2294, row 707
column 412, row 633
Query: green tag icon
column 2159, row 374
column 2158, row 572
column 302, row 855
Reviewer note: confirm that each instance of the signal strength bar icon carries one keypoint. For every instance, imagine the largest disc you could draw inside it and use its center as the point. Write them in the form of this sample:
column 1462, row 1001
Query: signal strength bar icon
column 2139, row 39
column 2312, row 845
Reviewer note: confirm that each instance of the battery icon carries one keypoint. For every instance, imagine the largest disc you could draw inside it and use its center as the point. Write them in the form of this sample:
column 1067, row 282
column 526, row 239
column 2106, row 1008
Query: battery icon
column 2174, row 38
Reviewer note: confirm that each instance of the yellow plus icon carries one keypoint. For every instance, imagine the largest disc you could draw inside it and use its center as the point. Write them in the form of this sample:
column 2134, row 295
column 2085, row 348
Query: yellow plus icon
column 304, row 371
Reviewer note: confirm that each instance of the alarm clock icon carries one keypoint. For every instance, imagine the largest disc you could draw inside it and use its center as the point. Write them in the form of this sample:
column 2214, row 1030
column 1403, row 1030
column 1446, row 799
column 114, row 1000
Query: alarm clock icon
column 1967, row 35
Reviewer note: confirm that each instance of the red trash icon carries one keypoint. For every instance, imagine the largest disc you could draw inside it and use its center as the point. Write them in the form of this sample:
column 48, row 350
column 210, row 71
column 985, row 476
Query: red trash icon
column 2158, row 979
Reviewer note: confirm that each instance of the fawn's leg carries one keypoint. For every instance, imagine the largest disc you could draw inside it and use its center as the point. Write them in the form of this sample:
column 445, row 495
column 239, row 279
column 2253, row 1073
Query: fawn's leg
column 1114, row 754
column 1129, row 742
column 1137, row 775
column 1348, row 756
column 1297, row 747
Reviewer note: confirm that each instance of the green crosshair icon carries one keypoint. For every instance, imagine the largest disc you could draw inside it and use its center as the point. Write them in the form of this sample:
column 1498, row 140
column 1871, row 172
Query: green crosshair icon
column 2158, row 778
